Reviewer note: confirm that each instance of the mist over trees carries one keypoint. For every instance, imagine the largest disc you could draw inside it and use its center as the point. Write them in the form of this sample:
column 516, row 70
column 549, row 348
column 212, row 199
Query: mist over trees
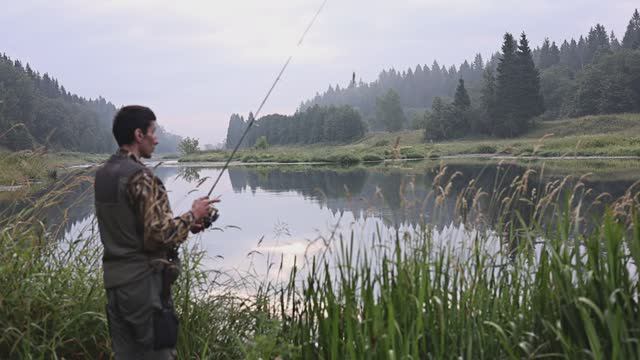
column 332, row 124
column 35, row 110
column 594, row 74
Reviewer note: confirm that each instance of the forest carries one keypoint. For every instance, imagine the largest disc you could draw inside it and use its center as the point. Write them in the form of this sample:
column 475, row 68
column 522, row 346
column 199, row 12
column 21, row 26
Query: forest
column 501, row 97
column 36, row 110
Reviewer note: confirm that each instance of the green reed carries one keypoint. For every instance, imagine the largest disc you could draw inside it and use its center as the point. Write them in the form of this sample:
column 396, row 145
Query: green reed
column 550, row 290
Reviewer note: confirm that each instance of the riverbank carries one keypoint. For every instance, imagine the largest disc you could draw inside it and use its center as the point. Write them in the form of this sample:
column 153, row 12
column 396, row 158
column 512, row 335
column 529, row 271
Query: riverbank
column 37, row 166
column 615, row 136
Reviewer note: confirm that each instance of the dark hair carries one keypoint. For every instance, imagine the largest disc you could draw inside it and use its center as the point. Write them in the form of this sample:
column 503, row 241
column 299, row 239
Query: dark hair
column 128, row 119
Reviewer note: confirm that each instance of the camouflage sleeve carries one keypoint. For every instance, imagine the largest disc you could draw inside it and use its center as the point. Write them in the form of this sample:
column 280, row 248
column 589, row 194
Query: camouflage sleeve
column 150, row 202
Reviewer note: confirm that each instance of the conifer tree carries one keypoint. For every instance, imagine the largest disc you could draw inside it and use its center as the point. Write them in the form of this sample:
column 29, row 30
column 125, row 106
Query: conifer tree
column 488, row 103
column 544, row 60
column 554, row 54
column 518, row 96
column 631, row 38
column 530, row 99
column 597, row 42
column 389, row 112
column 461, row 98
column 505, row 123
column 615, row 44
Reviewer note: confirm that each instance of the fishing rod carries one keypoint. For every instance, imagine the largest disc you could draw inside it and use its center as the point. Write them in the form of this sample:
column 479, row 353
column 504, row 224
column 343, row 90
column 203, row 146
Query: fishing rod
column 253, row 118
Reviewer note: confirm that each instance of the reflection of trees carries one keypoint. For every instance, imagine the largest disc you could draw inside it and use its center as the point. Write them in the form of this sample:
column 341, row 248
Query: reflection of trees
column 189, row 173
column 401, row 197
column 315, row 183
column 395, row 195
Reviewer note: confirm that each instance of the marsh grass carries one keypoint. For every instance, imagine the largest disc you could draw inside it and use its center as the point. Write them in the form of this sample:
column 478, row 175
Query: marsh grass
column 534, row 276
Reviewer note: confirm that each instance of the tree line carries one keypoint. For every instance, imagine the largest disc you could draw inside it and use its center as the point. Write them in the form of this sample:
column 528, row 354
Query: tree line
column 592, row 75
column 337, row 124
column 36, row 110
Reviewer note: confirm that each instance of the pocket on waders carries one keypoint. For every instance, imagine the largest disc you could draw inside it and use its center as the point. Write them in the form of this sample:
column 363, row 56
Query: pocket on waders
column 165, row 328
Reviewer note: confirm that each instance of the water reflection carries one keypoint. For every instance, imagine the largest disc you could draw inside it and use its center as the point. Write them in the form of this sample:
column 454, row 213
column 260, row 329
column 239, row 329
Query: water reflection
column 406, row 196
column 286, row 209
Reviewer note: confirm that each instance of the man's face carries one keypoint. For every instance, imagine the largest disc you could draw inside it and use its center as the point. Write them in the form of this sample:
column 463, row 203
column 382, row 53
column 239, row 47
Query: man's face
column 148, row 142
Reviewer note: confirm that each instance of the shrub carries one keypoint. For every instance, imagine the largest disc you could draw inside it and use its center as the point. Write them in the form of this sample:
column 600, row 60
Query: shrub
column 249, row 158
column 344, row 159
column 485, row 149
column 261, row 143
column 188, row 146
column 372, row 157
column 413, row 154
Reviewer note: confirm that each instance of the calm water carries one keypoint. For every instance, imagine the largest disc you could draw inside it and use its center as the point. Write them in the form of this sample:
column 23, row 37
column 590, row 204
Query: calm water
column 287, row 210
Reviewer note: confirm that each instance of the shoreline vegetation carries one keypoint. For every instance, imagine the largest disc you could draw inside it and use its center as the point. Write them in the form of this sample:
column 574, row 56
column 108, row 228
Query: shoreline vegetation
column 38, row 166
column 589, row 136
column 531, row 277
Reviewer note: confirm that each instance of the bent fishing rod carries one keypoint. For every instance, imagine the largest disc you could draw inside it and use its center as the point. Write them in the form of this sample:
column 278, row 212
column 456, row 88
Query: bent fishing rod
column 253, row 118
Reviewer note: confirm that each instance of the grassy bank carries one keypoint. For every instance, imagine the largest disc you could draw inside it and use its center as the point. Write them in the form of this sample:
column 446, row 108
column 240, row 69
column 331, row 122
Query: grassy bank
column 605, row 135
column 27, row 167
column 518, row 285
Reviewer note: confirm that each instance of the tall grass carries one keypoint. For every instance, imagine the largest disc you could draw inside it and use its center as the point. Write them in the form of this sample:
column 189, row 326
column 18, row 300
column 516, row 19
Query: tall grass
column 52, row 298
column 534, row 277
column 548, row 291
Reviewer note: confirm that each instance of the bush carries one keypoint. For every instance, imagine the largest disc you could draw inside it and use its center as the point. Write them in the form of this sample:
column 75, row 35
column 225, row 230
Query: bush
column 344, row 159
column 381, row 143
column 413, row 154
column 188, row 146
column 249, row 158
column 372, row 157
column 261, row 143
column 405, row 150
column 485, row 149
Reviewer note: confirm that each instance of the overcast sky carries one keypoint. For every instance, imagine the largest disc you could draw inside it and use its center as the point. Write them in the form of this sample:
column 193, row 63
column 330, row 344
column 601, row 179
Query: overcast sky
column 197, row 62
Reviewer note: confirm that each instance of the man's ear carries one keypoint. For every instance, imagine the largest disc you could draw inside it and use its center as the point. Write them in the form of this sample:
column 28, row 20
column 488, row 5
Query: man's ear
column 138, row 135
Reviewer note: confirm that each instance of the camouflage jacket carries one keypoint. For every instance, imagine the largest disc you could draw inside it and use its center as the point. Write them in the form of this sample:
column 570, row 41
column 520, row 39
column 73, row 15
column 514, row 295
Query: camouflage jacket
column 148, row 198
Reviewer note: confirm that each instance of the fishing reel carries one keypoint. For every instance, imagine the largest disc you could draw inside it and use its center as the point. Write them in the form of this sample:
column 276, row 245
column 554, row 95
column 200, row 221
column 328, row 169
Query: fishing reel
column 208, row 220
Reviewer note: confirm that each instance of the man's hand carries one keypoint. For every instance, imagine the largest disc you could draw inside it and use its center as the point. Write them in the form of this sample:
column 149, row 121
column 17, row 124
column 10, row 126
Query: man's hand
column 202, row 207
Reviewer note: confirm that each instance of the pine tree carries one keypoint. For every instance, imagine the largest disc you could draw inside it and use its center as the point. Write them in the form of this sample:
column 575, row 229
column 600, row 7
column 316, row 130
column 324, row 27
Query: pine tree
column 518, row 96
column 505, row 123
column 574, row 60
column 488, row 104
column 544, row 60
column 597, row 42
column 389, row 112
column 530, row 98
column 478, row 63
column 582, row 52
column 615, row 44
column 461, row 98
column 564, row 53
column 554, row 54
column 631, row 38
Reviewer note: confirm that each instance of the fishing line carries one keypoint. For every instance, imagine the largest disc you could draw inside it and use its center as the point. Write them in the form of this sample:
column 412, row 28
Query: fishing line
column 252, row 118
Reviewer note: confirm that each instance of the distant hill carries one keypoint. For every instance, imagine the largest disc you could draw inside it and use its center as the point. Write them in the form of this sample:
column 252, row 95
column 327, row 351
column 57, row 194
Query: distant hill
column 36, row 110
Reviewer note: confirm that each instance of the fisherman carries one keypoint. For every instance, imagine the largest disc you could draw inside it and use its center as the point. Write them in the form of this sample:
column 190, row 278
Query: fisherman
column 140, row 236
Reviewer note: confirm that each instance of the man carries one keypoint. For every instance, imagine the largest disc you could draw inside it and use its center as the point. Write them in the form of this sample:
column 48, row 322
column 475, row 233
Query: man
column 138, row 232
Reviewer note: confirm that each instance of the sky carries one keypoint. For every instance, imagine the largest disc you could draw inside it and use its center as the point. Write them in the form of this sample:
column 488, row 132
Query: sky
column 196, row 62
